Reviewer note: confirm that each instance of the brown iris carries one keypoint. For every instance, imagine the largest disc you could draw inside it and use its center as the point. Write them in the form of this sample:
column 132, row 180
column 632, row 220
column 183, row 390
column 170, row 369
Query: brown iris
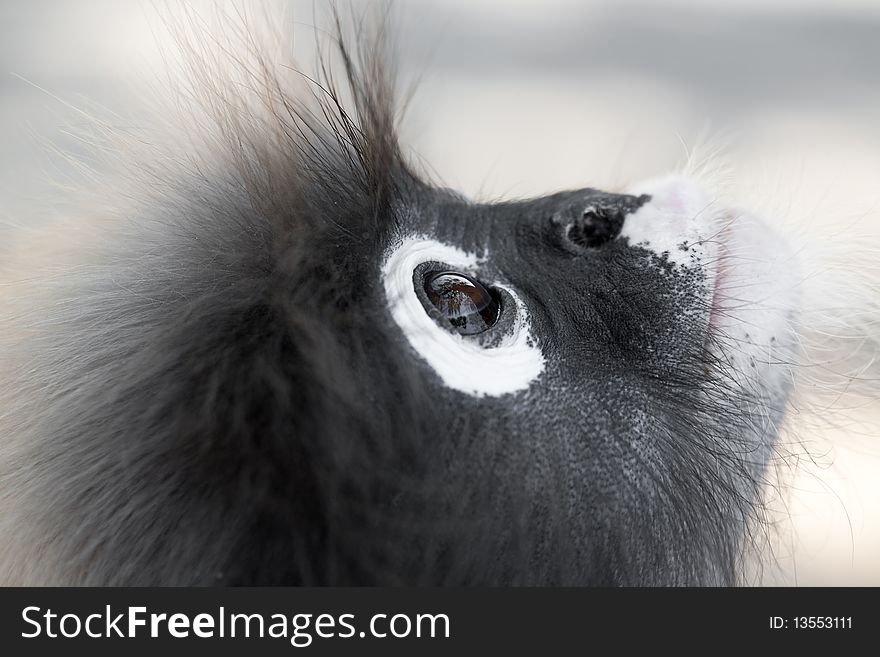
column 466, row 303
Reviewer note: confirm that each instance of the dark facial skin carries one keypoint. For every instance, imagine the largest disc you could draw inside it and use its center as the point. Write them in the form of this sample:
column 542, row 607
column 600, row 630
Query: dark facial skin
column 612, row 438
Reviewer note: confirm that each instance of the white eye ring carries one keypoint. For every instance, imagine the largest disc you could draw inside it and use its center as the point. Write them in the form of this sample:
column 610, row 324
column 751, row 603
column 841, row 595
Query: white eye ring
column 463, row 364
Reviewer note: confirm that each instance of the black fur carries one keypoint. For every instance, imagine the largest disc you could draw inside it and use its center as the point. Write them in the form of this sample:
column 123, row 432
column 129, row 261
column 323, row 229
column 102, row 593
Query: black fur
column 232, row 403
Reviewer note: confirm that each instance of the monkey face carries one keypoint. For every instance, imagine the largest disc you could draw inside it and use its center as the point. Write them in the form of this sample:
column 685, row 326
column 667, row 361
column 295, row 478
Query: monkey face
column 578, row 389
column 577, row 362
column 293, row 362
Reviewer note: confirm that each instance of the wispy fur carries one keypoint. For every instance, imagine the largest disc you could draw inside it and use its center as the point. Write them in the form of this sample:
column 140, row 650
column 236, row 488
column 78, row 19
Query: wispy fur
column 194, row 320
column 178, row 405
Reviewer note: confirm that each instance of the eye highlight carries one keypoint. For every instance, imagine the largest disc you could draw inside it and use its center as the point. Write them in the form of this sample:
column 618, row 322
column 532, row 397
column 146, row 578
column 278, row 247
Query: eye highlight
column 466, row 303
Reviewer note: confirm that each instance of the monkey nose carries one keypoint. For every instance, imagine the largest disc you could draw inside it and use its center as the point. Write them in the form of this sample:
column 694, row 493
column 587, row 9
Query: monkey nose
column 600, row 223
column 596, row 226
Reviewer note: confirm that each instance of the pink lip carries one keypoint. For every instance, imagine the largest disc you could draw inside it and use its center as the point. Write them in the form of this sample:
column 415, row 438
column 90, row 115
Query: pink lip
column 722, row 275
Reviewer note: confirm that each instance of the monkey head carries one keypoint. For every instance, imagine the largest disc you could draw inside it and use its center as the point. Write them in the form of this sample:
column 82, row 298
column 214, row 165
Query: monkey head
column 298, row 362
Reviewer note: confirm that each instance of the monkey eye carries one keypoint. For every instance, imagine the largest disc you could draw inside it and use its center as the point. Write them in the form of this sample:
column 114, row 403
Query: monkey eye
column 466, row 303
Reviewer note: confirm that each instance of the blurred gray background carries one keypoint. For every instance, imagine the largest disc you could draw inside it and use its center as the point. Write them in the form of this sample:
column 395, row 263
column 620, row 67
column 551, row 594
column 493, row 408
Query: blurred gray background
column 521, row 98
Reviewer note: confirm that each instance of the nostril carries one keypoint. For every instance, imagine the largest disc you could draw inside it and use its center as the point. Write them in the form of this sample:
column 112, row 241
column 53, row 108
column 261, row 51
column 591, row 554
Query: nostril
column 594, row 221
column 595, row 226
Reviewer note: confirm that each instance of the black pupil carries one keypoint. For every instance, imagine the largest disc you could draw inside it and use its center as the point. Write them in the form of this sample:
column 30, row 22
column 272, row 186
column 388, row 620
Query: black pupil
column 468, row 306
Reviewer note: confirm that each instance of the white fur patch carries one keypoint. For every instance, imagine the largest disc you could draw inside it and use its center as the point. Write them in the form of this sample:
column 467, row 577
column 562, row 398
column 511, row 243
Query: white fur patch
column 750, row 271
column 756, row 297
column 462, row 363
column 679, row 213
